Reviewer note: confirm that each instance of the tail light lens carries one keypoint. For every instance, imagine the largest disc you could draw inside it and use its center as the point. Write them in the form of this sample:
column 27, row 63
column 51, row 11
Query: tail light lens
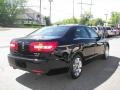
column 13, row 45
column 42, row 46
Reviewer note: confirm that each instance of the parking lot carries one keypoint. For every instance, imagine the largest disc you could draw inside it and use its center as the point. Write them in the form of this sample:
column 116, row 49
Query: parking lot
column 97, row 74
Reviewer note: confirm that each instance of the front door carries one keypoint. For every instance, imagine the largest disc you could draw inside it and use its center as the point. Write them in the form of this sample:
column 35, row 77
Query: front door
column 82, row 36
column 98, row 43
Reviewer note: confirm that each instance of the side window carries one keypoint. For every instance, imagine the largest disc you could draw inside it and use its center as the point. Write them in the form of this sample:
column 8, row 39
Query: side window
column 93, row 34
column 81, row 32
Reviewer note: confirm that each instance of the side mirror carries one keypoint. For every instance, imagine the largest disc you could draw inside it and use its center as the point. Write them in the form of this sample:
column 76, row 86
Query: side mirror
column 99, row 38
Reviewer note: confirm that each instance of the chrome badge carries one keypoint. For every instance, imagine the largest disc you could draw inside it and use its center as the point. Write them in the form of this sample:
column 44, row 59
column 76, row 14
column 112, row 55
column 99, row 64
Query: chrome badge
column 23, row 45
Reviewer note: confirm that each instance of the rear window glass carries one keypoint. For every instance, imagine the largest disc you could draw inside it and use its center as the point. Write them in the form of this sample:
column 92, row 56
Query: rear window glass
column 99, row 28
column 108, row 28
column 51, row 31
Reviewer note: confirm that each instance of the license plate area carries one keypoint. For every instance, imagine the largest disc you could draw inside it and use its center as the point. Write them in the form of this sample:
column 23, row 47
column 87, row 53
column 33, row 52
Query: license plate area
column 21, row 64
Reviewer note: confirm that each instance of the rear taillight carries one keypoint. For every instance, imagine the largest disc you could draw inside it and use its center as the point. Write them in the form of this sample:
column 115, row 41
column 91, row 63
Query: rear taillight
column 13, row 45
column 42, row 46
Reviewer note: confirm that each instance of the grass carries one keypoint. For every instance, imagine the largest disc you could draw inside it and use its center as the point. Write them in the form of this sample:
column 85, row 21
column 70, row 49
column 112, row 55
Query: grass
column 31, row 26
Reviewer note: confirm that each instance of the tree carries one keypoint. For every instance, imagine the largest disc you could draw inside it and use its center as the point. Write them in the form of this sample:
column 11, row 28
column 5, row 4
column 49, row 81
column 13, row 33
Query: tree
column 68, row 21
column 85, row 18
column 9, row 9
column 115, row 18
column 48, row 22
column 96, row 22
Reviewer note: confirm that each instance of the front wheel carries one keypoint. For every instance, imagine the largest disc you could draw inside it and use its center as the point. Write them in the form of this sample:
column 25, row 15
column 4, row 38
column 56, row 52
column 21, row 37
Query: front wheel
column 76, row 67
column 106, row 53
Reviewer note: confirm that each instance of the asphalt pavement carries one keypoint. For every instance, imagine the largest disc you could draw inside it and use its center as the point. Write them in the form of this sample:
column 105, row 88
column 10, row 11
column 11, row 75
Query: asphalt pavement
column 7, row 34
column 97, row 74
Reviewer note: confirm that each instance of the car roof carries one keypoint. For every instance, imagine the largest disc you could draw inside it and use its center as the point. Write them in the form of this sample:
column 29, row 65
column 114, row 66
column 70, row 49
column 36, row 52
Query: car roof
column 71, row 25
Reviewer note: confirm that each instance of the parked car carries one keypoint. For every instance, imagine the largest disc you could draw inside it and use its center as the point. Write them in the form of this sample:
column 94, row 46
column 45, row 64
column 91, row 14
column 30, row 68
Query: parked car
column 56, row 47
column 116, row 31
column 99, row 30
column 105, row 32
column 110, row 31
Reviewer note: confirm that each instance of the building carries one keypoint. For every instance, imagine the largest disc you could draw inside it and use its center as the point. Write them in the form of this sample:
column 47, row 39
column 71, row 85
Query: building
column 30, row 16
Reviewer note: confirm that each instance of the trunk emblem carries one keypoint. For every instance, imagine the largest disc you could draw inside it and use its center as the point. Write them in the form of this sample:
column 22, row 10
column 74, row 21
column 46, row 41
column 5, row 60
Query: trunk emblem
column 23, row 46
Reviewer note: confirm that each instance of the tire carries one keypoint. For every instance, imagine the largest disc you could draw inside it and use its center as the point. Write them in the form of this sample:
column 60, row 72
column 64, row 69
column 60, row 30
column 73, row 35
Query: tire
column 106, row 53
column 76, row 66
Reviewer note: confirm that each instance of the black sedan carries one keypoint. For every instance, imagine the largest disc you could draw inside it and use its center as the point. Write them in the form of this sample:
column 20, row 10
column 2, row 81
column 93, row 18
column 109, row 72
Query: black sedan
column 56, row 47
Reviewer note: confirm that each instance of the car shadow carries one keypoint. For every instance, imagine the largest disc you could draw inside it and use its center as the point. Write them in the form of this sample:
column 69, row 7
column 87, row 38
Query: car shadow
column 95, row 72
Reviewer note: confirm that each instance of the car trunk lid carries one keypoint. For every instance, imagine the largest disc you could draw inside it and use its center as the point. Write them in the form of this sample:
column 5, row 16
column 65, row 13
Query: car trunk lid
column 36, row 46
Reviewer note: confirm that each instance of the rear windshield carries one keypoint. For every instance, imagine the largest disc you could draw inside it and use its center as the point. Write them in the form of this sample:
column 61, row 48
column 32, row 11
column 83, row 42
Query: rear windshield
column 100, row 28
column 51, row 31
column 108, row 28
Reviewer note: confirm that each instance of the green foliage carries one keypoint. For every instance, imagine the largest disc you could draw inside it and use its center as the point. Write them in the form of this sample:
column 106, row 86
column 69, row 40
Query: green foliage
column 115, row 18
column 48, row 22
column 96, row 22
column 69, row 21
column 9, row 9
column 85, row 18
column 31, row 26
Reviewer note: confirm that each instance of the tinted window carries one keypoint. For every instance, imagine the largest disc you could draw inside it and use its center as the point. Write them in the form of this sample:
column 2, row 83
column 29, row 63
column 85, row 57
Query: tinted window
column 94, row 28
column 81, row 33
column 51, row 31
column 99, row 28
column 108, row 28
column 93, row 34
column 103, row 28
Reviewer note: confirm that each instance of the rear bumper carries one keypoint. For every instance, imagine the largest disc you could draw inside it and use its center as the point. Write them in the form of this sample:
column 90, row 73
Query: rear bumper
column 111, row 33
column 32, row 65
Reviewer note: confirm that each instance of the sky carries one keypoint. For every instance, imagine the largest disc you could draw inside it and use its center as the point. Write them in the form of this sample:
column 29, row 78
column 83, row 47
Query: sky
column 62, row 9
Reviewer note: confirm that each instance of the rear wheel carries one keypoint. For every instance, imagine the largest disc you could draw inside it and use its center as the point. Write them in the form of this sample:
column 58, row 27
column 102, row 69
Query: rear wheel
column 76, row 67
